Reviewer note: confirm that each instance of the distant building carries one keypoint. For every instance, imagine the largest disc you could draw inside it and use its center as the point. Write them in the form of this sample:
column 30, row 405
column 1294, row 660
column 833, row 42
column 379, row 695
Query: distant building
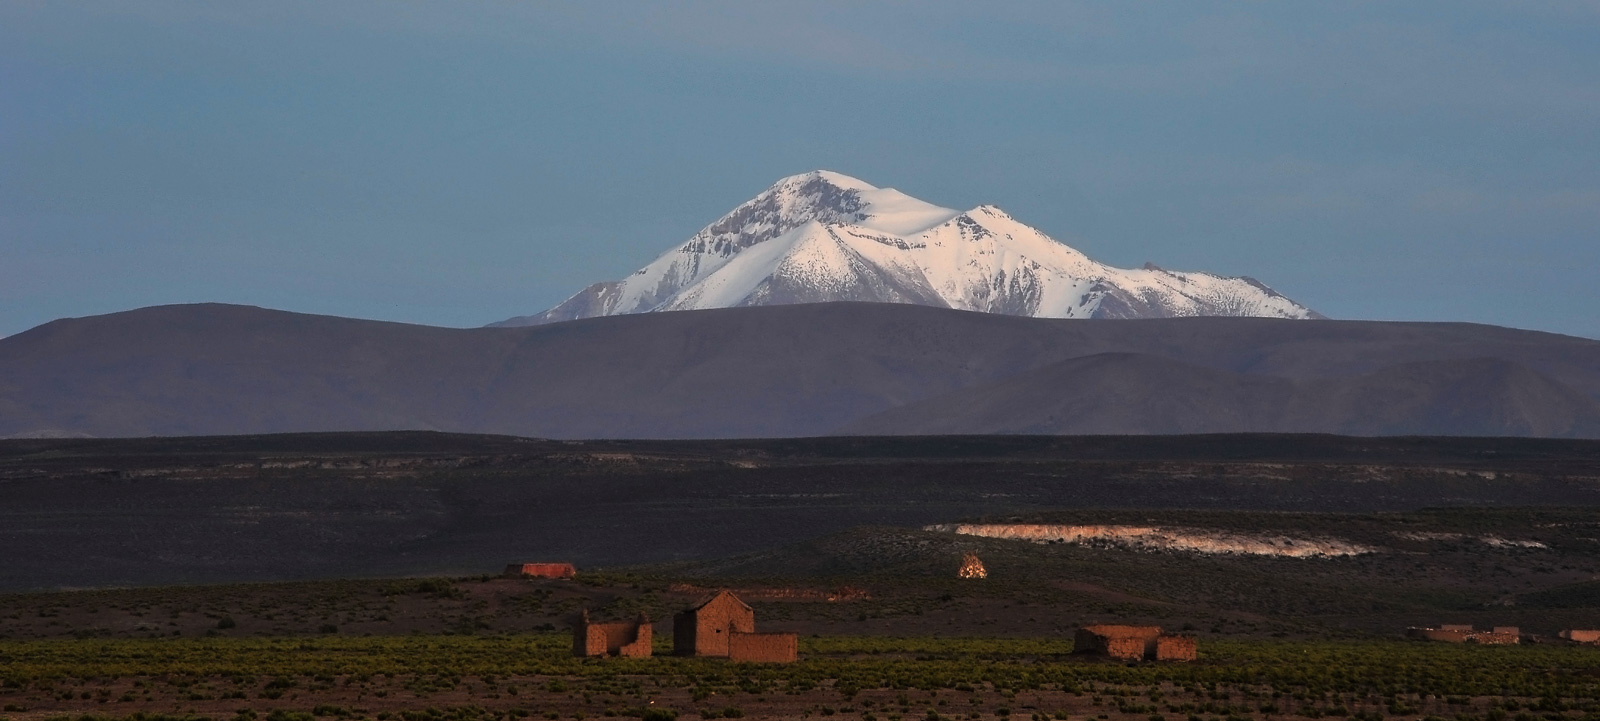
column 722, row 625
column 1134, row 643
column 1581, row 635
column 1456, row 633
column 541, row 570
column 703, row 629
column 624, row 638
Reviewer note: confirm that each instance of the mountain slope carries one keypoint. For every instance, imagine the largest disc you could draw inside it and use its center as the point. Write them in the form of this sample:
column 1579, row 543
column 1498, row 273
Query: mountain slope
column 1131, row 393
column 822, row 236
column 787, row 370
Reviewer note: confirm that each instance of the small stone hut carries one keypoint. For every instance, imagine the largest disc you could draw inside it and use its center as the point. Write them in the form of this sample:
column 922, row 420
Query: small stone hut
column 624, row 638
column 721, row 625
column 541, row 570
column 1134, row 643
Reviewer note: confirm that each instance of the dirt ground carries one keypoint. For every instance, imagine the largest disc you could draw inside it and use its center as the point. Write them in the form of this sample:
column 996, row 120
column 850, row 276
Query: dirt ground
column 548, row 697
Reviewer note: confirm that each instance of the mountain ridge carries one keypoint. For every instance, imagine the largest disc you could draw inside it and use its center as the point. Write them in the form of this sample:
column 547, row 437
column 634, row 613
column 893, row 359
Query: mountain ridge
column 823, row 236
column 772, row 371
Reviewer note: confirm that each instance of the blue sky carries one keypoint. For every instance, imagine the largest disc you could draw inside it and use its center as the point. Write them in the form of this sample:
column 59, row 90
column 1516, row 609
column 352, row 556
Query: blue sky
column 460, row 163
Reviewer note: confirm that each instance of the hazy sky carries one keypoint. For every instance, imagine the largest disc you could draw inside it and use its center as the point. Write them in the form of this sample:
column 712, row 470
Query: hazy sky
column 458, row 163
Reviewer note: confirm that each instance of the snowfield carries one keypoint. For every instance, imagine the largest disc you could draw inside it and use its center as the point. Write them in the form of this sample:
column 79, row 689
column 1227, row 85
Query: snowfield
column 822, row 236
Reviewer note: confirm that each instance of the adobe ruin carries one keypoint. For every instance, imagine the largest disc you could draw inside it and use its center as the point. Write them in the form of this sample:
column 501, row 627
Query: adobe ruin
column 622, row 638
column 721, row 625
column 1459, row 633
column 541, row 570
column 1134, row 643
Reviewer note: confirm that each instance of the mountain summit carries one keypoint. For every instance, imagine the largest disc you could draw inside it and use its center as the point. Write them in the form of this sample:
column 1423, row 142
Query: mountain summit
column 822, row 236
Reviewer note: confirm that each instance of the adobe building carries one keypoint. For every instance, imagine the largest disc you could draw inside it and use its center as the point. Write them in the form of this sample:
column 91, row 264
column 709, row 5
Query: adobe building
column 703, row 629
column 1456, row 633
column 721, row 625
column 1581, row 635
column 623, row 638
column 1134, row 643
column 541, row 570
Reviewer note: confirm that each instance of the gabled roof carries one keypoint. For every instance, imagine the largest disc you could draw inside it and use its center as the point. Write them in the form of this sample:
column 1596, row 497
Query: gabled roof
column 706, row 601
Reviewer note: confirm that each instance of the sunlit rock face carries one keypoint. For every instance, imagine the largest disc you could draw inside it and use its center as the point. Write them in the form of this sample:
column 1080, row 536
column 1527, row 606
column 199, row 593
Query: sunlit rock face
column 1153, row 538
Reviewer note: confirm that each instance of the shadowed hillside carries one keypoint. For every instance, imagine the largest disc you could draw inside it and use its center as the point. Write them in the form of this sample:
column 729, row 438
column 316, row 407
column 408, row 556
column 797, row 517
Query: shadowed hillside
column 789, row 371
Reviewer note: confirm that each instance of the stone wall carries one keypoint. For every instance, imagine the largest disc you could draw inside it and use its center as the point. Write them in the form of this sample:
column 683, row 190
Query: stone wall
column 763, row 647
column 1099, row 639
column 1126, row 648
column 1134, row 643
column 1175, row 648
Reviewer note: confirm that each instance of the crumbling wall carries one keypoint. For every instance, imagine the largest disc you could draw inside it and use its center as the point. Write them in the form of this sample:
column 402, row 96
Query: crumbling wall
column 624, row 638
column 1175, row 648
column 763, row 647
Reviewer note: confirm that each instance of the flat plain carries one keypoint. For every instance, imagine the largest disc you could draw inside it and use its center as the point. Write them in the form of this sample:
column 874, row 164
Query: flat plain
column 311, row 611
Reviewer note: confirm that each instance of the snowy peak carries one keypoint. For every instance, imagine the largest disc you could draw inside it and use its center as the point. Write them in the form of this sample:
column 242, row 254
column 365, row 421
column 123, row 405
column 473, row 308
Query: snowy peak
column 824, row 236
column 836, row 199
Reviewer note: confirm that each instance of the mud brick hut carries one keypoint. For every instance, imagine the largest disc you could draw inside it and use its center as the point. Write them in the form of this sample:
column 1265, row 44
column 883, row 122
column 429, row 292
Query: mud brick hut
column 721, row 625
column 624, row 638
column 1134, row 643
column 541, row 570
column 703, row 629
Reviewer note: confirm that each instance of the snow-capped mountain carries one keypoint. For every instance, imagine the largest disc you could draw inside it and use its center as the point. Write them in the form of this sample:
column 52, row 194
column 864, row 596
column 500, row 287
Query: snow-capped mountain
column 822, row 236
